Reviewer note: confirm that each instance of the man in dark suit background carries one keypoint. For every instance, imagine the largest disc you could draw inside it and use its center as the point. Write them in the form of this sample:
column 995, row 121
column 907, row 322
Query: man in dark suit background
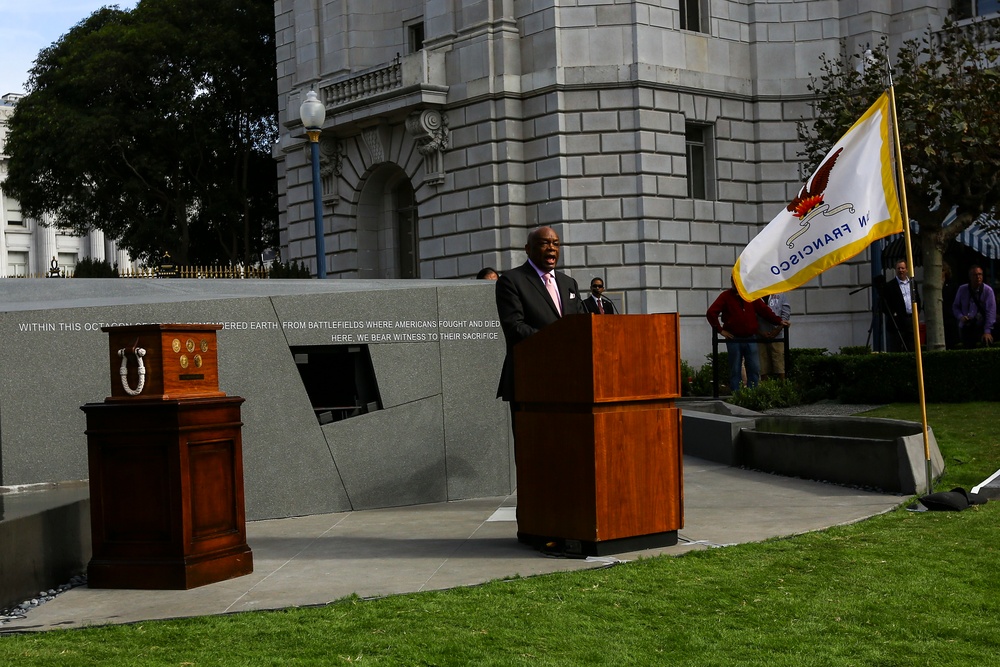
column 525, row 304
column 896, row 296
column 597, row 303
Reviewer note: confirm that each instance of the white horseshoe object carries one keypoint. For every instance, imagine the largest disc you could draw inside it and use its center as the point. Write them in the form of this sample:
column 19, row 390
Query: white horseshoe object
column 139, row 354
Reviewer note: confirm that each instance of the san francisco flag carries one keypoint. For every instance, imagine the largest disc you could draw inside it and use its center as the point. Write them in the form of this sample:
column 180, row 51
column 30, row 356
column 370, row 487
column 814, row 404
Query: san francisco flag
column 849, row 203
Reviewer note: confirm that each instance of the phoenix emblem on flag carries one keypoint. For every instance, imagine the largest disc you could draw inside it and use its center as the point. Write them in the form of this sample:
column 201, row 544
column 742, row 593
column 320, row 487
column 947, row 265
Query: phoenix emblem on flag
column 809, row 202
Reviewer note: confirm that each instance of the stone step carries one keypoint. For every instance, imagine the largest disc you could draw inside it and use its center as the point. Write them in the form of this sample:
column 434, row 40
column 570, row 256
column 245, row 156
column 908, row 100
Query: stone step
column 44, row 538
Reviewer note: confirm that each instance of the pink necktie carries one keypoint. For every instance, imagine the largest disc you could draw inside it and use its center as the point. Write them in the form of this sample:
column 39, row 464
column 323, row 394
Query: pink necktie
column 550, row 285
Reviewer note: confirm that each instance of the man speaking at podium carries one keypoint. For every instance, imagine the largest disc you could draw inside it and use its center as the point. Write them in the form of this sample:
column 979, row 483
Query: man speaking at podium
column 530, row 297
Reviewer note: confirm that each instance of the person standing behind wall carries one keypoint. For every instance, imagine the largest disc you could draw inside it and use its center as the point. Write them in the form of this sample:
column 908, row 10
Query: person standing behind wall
column 975, row 308
column 597, row 303
column 897, row 294
column 739, row 328
column 772, row 354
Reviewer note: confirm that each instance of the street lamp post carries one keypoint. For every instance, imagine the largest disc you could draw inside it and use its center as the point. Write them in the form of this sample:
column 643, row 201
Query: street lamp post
column 313, row 113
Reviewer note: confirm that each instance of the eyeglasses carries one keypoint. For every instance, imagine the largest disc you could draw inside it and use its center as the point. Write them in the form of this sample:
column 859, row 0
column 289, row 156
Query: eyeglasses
column 597, row 287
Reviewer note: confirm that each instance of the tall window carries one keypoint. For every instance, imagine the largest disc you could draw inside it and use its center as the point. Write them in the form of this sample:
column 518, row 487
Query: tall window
column 966, row 9
column 17, row 263
column 693, row 16
column 698, row 141
column 13, row 213
column 415, row 36
column 67, row 262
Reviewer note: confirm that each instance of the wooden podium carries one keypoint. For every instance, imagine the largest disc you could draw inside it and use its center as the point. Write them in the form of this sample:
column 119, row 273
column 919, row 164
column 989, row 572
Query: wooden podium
column 597, row 437
column 166, row 464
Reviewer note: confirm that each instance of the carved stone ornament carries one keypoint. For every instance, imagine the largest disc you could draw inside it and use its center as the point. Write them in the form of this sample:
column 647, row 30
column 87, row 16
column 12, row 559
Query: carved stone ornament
column 331, row 163
column 375, row 142
column 430, row 127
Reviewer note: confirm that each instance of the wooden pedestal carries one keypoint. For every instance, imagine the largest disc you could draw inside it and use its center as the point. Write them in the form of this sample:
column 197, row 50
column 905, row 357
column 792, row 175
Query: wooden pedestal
column 165, row 452
column 166, row 482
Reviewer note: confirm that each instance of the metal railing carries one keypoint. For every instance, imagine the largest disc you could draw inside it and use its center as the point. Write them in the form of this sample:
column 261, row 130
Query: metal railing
column 195, row 272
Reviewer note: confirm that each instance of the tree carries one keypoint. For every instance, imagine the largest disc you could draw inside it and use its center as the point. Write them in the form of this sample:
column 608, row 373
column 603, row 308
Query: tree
column 948, row 107
column 155, row 126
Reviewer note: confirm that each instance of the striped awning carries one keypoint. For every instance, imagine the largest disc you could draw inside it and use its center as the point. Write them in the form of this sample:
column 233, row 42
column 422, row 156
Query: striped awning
column 983, row 236
column 984, row 241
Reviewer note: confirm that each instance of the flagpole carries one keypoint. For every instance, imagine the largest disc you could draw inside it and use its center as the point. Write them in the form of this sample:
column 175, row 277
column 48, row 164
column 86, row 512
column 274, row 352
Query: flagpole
column 900, row 178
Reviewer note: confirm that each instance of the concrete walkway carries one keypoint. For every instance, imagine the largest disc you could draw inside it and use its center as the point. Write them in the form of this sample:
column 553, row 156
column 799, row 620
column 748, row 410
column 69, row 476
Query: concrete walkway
column 317, row 559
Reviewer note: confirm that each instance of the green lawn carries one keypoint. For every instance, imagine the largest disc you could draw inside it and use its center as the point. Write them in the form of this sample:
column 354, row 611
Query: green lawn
column 901, row 589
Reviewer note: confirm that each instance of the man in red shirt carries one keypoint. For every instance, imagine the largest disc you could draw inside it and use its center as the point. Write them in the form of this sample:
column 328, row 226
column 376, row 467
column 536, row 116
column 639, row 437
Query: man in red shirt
column 739, row 328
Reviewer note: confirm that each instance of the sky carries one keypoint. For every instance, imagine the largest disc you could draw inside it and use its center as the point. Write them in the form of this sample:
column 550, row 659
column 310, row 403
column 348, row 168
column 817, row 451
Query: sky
column 28, row 26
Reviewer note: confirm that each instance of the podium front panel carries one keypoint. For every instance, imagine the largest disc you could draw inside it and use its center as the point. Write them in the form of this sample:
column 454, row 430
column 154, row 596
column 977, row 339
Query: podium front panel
column 606, row 474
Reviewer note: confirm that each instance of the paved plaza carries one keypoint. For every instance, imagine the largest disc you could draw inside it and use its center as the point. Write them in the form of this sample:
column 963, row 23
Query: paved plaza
column 315, row 560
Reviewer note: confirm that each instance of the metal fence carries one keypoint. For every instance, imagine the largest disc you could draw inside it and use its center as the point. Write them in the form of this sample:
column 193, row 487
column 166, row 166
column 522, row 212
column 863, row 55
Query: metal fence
column 168, row 271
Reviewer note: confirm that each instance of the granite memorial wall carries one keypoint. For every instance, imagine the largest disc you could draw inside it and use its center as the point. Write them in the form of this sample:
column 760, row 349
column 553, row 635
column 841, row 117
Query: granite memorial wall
column 359, row 394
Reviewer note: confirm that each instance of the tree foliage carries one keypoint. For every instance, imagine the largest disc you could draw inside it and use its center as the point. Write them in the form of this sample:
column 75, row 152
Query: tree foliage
column 947, row 94
column 155, row 125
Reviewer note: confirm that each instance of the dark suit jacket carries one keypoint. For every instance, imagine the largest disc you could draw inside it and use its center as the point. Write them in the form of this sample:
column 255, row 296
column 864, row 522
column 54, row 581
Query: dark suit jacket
column 894, row 305
column 899, row 337
column 590, row 306
column 524, row 307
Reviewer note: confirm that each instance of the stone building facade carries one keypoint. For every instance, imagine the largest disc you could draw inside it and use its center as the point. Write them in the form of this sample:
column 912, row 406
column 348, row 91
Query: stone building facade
column 656, row 137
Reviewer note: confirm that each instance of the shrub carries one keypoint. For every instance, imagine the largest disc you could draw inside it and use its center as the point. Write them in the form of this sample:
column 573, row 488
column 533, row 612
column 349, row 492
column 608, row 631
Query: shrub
column 697, row 382
column 959, row 376
column 703, row 382
column 800, row 355
column 766, row 395
column 878, row 378
column 858, row 376
column 687, row 379
column 289, row 270
column 817, row 377
column 94, row 268
column 950, row 376
column 705, row 375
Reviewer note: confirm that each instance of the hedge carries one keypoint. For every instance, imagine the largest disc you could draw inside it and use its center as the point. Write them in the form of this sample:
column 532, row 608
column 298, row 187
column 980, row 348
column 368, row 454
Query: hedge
column 950, row 376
